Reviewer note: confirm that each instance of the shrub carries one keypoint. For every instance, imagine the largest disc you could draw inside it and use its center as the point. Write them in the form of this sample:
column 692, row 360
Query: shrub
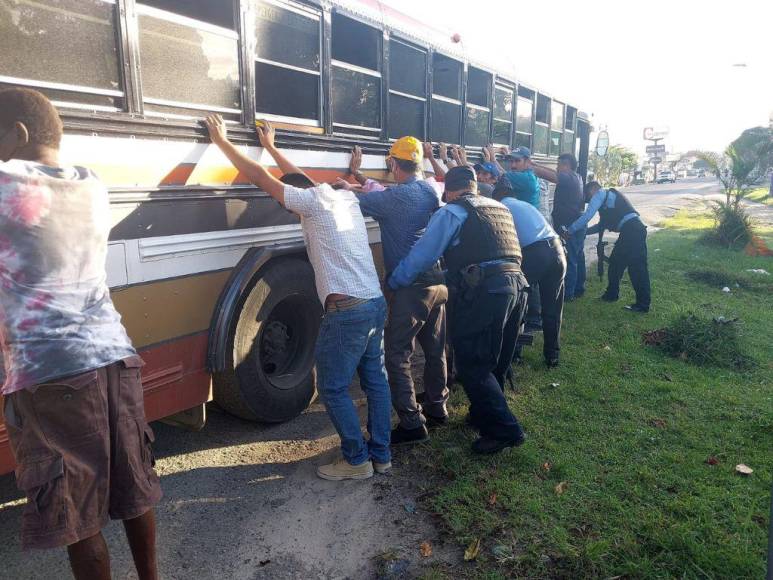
column 702, row 341
column 733, row 227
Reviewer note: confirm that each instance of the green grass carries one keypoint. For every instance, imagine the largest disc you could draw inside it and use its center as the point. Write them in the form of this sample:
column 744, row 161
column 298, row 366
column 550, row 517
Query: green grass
column 760, row 195
column 630, row 431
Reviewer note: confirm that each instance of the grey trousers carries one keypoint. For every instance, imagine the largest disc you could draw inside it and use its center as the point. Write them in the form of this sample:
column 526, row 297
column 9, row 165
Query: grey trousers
column 417, row 313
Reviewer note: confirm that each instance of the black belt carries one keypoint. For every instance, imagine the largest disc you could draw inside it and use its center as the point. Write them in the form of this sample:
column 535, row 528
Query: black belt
column 548, row 241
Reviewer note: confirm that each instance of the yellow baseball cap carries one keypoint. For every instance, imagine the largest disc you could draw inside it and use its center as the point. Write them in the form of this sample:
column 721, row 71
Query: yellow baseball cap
column 407, row 148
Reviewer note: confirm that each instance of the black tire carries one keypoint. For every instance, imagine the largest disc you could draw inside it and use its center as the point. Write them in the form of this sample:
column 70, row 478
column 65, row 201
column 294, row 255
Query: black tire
column 270, row 375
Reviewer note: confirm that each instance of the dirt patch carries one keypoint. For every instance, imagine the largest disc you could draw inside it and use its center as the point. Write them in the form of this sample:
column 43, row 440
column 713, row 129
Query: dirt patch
column 242, row 501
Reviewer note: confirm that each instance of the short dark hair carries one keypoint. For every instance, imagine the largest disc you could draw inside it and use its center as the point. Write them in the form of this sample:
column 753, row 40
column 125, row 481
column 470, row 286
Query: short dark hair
column 590, row 186
column 38, row 114
column 503, row 188
column 407, row 166
column 569, row 159
column 297, row 180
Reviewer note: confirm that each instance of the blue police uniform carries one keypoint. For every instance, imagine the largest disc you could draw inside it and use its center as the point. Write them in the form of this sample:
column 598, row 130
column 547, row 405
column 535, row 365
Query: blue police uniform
column 486, row 309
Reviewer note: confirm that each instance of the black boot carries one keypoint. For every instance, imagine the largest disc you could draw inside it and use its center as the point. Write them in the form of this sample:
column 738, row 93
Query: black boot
column 403, row 436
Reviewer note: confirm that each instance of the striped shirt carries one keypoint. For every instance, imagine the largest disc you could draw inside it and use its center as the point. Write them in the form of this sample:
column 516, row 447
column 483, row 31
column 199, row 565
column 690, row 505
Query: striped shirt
column 336, row 240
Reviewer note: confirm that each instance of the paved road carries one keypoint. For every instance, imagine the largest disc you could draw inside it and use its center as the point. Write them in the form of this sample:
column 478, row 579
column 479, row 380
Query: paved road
column 656, row 202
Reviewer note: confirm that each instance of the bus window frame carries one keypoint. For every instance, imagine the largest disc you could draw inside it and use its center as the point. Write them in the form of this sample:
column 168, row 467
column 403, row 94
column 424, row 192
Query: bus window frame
column 390, row 36
column 119, row 24
column 134, row 120
column 489, row 108
column 533, row 101
column 443, row 98
column 308, row 10
column 333, row 128
column 237, row 32
column 504, row 84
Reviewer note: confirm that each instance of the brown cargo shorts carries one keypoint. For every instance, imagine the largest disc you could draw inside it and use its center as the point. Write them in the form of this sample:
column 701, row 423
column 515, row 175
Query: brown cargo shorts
column 83, row 453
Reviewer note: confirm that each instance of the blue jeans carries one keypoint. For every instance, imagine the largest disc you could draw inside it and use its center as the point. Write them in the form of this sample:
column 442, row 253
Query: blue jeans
column 575, row 265
column 353, row 340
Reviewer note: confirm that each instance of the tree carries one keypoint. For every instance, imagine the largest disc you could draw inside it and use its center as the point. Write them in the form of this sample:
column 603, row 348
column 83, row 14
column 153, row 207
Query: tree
column 742, row 163
column 607, row 169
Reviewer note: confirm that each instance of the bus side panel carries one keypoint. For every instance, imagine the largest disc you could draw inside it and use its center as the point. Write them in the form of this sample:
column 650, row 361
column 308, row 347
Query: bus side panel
column 174, row 378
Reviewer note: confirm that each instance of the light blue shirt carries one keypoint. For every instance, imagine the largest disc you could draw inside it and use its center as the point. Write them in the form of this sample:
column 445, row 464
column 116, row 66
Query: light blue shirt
column 595, row 204
column 525, row 186
column 442, row 232
column 530, row 225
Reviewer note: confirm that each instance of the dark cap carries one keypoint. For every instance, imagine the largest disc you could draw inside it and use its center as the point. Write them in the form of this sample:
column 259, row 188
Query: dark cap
column 459, row 177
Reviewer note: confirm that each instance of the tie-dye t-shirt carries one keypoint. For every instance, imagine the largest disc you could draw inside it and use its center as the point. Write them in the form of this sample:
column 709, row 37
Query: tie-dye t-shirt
column 56, row 316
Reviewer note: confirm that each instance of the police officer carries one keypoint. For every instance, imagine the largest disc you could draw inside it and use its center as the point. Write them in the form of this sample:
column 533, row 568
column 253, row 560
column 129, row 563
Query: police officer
column 617, row 214
column 544, row 264
column 476, row 237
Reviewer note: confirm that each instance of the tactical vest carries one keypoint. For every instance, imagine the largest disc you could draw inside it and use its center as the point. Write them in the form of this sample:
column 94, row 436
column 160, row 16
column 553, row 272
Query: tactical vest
column 487, row 234
column 609, row 218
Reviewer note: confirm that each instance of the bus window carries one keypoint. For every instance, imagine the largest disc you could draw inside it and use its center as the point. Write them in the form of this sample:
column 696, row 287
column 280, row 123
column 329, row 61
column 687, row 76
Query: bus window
column 72, row 49
column 568, row 141
column 190, row 58
column 287, row 63
column 355, row 77
column 524, row 118
column 407, row 90
column 476, row 129
column 556, row 127
column 446, row 99
column 503, row 115
column 541, row 125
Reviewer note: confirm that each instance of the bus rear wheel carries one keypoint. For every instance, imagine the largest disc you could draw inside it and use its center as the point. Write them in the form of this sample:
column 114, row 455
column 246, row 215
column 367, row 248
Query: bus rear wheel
column 271, row 364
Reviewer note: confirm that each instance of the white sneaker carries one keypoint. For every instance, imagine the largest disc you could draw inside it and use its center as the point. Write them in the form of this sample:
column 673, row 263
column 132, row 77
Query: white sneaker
column 382, row 467
column 341, row 469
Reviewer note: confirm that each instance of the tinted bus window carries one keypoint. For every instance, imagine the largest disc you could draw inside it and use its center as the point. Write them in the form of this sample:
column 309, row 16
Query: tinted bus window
column 356, row 98
column 407, row 90
column 524, row 113
column 503, row 115
column 543, row 109
column 540, row 139
column 406, row 117
column 476, row 127
column 557, row 116
column 407, row 69
column 188, row 63
column 355, row 76
column 446, row 77
column 478, row 87
column 356, row 43
column 72, row 46
column 287, row 63
column 446, row 121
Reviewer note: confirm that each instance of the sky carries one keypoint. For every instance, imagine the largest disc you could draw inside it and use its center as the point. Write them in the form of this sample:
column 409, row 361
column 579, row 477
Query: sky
column 632, row 64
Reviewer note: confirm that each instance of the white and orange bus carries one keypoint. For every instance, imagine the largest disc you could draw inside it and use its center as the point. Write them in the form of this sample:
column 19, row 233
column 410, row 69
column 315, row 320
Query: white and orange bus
column 209, row 274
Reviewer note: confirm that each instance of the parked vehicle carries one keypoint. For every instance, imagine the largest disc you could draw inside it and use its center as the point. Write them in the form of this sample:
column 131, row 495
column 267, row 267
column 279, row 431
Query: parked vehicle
column 666, row 177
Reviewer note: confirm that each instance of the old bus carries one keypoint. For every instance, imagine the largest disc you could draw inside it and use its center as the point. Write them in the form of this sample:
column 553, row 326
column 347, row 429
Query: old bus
column 208, row 273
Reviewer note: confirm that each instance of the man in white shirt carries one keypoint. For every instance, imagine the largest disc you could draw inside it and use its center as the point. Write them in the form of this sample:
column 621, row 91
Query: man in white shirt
column 351, row 337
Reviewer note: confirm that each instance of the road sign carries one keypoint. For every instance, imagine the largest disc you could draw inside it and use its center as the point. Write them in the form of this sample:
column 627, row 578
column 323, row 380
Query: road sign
column 653, row 133
column 655, row 160
column 656, row 149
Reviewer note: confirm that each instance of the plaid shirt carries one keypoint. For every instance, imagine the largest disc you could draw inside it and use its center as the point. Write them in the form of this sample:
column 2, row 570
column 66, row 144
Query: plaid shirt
column 336, row 240
column 402, row 212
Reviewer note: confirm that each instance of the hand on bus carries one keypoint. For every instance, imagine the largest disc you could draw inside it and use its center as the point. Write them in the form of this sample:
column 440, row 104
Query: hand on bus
column 341, row 183
column 428, row 153
column 442, row 151
column 504, row 150
column 266, row 134
column 486, row 155
column 356, row 161
column 217, row 129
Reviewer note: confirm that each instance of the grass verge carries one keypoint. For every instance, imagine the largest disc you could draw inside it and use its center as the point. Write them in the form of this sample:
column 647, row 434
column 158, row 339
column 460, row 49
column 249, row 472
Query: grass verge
column 630, row 466
column 760, row 195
